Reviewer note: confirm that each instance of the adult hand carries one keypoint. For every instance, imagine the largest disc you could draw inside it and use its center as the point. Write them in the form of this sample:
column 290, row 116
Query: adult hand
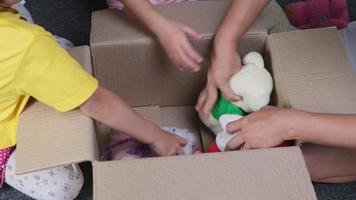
column 268, row 127
column 173, row 37
column 224, row 64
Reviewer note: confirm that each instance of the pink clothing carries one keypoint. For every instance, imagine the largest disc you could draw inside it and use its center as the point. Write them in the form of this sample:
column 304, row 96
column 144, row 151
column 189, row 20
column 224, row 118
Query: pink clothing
column 118, row 5
column 318, row 13
column 4, row 156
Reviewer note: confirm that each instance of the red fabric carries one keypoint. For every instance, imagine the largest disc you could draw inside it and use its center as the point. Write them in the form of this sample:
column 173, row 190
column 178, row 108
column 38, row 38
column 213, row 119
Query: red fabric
column 4, row 156
column 318, row 13
column 213, row 148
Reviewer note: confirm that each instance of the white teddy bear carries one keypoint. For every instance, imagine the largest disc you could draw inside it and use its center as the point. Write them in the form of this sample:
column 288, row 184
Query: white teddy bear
column 254, row 84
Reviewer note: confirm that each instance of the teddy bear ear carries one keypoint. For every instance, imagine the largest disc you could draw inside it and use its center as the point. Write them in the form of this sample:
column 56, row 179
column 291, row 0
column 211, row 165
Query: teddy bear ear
column 254, row 58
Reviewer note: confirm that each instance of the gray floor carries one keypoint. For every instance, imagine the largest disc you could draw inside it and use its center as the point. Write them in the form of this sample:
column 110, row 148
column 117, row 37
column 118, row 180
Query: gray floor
column 71, row 19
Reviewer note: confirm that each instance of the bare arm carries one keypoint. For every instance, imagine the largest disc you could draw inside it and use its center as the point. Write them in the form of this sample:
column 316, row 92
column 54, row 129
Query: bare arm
column 172, row 35
column 239, row 18
column 271, row 126
column 110, row 109
column 144, row 11
column 326, row 129
column 225, row 61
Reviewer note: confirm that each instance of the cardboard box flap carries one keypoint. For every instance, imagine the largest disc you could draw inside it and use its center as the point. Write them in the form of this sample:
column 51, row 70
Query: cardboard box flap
column 47, row 138
column 311, row 71
column 82, row 55
column 131, row 31
column 231, row 175
column 150, row 112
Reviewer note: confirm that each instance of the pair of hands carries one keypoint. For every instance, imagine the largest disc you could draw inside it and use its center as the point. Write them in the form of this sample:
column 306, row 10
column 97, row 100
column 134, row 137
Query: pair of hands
column 224, row 62
column 174, row 39
column 268, row 127
column 262, row 129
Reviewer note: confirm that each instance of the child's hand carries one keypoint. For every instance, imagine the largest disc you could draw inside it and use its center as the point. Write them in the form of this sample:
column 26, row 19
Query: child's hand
column 167, row 144
column 173, row 38
column 225, row 62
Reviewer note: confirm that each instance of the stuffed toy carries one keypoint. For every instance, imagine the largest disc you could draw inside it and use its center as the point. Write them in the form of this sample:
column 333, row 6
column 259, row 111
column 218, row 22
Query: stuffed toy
column 318, row 13
column 254, row 84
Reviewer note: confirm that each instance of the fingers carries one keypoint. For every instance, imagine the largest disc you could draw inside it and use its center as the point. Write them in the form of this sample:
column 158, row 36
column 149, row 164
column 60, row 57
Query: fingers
column 210, row 100
column 192, row 33
column 236, row 142
column 201, row 100
column 228, row 93
column 188, row 57
column 192, row 53
column 234, row 126
column 181, row 141
column 182, row 60
column 187, row 61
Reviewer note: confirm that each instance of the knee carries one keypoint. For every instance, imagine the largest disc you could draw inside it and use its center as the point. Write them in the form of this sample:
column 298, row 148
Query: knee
column 329, row 164
column 315, row 176
column 69, row 183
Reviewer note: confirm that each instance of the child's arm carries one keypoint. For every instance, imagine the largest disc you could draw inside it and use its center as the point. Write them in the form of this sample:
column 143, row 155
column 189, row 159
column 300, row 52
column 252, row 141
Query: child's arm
column 225, row 60
column 110, row 109
column 171, row 34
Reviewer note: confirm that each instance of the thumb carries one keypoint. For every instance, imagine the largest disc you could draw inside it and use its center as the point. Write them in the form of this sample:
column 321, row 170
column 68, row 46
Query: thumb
column 234, row 126
column 228, row 93
column 236, row 142
column 191, row 32
column 182, row 141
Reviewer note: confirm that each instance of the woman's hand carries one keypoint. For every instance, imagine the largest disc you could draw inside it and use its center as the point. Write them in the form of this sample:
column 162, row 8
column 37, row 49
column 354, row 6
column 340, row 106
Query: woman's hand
column 268, row 127
column 173, row 37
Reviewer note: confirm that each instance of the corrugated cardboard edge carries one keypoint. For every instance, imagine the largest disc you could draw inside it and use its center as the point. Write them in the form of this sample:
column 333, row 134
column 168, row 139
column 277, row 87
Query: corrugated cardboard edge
column 242, row 175
column 279, row 98
column 43, row 135
column 311, row 71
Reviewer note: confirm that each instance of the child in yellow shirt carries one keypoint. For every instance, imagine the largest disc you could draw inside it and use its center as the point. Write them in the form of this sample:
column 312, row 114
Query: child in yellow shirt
column 32, row 64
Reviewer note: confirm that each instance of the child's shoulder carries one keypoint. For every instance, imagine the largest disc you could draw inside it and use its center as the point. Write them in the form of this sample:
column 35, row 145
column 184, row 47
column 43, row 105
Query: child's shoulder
column 16, row 35
column 12, row 26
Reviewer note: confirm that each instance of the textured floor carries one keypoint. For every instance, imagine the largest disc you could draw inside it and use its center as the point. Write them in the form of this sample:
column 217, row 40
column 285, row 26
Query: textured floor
column 71, row 19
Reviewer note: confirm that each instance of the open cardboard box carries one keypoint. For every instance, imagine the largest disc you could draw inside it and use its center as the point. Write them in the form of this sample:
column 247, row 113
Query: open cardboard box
column 310, row 70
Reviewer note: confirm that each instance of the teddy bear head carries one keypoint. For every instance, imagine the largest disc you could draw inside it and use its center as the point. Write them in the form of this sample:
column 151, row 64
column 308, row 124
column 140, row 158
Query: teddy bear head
column 253, row 83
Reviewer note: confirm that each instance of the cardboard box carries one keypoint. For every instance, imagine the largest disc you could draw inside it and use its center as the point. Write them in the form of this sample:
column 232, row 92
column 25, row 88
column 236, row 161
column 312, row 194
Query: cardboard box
column 310, row 71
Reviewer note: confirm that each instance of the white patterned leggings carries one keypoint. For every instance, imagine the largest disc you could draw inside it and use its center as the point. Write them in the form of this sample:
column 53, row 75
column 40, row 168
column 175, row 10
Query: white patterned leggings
column 60, row 183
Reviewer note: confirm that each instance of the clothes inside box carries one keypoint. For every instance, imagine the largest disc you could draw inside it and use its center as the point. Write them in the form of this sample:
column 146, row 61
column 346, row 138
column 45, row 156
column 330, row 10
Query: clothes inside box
column 124, row 147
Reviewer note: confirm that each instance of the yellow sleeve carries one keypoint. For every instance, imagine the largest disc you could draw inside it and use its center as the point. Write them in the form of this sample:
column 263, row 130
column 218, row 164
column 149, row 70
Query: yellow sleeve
column 49, row 74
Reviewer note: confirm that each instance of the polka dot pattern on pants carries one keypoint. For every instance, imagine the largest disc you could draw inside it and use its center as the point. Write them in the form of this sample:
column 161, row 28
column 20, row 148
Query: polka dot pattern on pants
column 4, row 156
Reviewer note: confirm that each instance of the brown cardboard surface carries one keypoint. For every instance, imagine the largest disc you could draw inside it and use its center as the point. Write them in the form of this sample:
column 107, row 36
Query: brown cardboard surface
column 268, row 174
column 47, row 138
column 207, row 137
column 129, row 61
column 311, row 71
